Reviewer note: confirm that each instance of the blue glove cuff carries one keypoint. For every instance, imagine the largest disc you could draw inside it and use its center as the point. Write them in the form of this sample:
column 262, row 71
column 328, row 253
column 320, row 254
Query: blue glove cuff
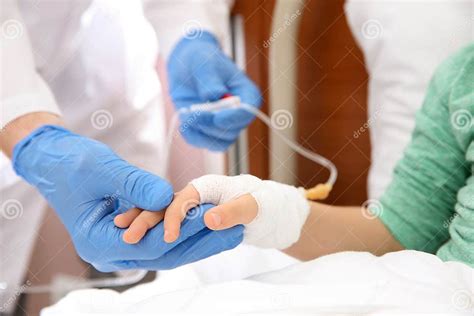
column 21, row 145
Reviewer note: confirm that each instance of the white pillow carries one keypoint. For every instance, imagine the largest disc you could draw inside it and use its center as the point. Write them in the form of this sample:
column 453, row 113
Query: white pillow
column 403, row 42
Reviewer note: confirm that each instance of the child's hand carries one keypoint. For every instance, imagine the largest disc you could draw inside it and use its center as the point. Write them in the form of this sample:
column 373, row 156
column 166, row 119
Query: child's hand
column 230, row 211
column 273, row 213
column 138, row 222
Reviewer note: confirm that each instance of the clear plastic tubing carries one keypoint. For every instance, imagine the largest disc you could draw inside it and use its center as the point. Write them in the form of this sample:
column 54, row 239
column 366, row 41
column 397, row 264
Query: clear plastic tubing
column 234, row 102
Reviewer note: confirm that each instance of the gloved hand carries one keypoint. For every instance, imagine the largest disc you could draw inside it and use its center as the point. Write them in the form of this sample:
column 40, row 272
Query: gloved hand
column 88, row 184
column 200, row 72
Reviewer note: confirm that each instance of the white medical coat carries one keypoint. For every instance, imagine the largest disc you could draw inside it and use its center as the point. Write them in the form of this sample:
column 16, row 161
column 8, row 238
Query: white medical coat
column 93, row 62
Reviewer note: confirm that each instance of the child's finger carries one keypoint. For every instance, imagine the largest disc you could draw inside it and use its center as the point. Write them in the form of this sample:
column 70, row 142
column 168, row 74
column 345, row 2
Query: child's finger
column 242, row 210
column 183, row 201
column 125, row 219
column 140, row 225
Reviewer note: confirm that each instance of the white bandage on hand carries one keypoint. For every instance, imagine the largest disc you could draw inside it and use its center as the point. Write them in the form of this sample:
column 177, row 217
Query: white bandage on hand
column 282, row 209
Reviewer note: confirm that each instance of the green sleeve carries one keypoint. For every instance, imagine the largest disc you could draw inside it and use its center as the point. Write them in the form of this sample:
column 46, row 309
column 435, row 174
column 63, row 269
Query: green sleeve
column 418, row 206
column 460, row 246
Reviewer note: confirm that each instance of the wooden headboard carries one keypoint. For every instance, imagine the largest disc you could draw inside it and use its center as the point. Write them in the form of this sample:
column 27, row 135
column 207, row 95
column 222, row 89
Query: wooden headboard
column 331, row 96
column 333, row 101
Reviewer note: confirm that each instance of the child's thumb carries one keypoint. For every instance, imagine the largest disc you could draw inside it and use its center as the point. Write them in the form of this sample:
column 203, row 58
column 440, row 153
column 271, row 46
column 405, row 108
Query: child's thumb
column 242, row 210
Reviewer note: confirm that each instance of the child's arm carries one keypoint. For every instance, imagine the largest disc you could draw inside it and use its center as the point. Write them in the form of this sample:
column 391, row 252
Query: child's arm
column 330, row 229
column 327, row 229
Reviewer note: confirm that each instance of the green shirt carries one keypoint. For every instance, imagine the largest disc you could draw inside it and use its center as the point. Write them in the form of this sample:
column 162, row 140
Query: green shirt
column 429, row 206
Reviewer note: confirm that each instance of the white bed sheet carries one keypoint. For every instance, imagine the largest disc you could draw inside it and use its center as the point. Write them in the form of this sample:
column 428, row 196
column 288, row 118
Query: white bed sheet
column 401, row 283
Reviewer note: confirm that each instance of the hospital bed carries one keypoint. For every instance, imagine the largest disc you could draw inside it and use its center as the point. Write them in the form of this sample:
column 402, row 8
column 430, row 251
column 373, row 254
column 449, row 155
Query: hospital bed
column 349, row 283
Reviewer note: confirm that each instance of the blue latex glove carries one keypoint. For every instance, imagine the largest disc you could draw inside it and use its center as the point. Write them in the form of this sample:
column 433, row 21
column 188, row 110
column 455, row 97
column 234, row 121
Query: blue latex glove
column 200, row 72
column 196, row 242
column 88, row 184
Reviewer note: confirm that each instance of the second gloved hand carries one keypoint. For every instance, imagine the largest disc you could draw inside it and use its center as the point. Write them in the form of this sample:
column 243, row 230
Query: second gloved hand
column 200, row 72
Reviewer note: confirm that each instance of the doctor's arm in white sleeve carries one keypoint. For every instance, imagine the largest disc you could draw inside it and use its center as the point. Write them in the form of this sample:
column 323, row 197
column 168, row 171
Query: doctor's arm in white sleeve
column 26, row 100
column 194, row 37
